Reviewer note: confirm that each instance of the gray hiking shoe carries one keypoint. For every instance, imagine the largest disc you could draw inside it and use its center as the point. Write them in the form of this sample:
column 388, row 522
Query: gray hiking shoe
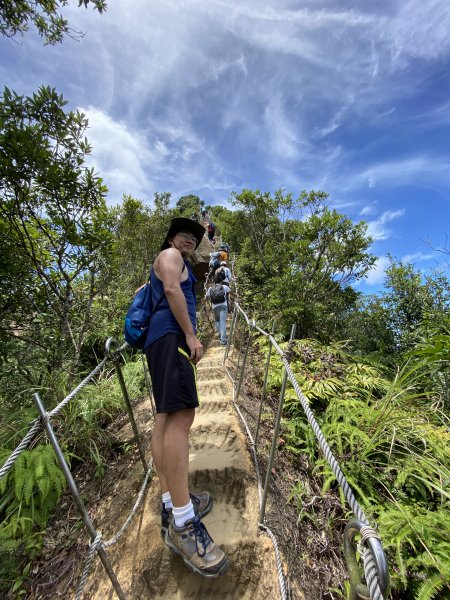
column 202, row 503
column 196, row 547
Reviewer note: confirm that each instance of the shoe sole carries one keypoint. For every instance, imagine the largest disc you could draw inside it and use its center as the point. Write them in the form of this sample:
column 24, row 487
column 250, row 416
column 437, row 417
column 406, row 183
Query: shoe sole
column 201, row 514
column 222, row 567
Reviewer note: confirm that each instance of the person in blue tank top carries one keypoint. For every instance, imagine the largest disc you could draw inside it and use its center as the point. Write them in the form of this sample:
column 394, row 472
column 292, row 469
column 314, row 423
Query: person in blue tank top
column 172, row 350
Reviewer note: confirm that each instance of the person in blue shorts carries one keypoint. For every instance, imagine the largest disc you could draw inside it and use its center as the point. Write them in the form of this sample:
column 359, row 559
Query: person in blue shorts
column 173, row 350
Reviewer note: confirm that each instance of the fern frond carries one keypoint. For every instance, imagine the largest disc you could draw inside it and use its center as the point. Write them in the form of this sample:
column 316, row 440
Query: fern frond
column 431, row 587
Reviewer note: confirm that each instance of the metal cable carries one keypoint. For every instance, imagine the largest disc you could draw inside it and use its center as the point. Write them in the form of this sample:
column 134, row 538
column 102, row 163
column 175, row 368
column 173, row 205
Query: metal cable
column 93, row 548
column 97, row 543
column 281, row 578
column 371, row 574
column 36, row 424
column 137, row 504
column 35, row 428
column 369, row 563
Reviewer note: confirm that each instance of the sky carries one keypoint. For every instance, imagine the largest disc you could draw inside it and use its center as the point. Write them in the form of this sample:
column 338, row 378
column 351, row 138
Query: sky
column 209, row 97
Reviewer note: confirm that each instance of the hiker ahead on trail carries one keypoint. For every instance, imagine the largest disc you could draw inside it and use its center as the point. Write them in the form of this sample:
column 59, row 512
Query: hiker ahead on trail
column 211, row 229
column 223, row 274
column 173, row 349
column 218, row 294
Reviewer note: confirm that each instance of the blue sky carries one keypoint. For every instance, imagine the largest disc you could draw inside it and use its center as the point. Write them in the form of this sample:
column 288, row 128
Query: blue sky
column 213, row 96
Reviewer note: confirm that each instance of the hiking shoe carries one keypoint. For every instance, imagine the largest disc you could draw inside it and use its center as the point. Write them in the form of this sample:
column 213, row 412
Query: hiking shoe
column 196, row 547
column 202, row 503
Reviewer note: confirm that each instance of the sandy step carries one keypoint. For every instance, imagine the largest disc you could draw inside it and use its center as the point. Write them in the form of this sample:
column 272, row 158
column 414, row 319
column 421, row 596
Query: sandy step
column 213, row 389
column 216, row 447
column 213, row 407
column 213, row 371
column 249, row 576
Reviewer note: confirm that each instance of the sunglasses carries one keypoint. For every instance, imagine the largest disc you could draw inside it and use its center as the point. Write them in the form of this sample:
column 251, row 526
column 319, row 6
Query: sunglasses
column 188, row 236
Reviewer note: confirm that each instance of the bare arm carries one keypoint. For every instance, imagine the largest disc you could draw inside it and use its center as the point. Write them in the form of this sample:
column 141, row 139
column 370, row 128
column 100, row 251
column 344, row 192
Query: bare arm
column 169, row 270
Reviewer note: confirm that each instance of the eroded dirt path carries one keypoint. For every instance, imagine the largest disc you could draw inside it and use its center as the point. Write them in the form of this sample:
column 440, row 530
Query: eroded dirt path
column 220, row 463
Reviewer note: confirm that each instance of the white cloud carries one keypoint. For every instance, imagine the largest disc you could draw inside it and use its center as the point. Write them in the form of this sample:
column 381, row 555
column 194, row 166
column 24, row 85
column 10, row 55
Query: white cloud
column 377, row 228
column 119, row 155
column 367, row 210
column 378, row 272
column 225, row 93
column 418, row 257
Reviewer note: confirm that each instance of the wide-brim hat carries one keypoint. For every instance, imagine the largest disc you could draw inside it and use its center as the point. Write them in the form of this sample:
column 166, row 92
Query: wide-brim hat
column 178, row 224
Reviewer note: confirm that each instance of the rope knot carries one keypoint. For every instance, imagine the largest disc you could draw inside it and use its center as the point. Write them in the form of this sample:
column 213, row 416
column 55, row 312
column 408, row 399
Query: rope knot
column 289, row 352
column 96, row 543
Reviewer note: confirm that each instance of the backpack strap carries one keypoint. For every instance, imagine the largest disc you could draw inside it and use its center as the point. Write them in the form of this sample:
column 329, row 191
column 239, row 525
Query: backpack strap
column 163, row 294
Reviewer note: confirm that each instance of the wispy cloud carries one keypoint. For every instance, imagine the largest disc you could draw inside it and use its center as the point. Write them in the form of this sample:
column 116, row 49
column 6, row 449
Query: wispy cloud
column 236, row 93
column 378, row 230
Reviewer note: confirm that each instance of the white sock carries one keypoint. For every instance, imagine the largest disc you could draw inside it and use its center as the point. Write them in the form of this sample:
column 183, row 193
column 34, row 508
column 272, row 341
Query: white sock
column 181, row 514
column 167, row 500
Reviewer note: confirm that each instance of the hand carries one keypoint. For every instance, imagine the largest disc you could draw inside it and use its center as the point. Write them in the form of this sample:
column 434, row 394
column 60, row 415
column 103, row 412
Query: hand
column 195, row 347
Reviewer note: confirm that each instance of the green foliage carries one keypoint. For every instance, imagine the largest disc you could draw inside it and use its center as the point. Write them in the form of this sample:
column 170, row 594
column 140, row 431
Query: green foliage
column 17, row 15
column 83, row 422
column 298, row 259
column 393, row 448
column 189, row 206
column 411, row 308
column 53, row 220
column 29, row 493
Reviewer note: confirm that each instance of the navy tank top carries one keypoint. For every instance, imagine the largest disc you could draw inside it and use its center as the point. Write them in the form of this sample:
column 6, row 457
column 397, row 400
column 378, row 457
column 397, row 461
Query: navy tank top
column 163, row 321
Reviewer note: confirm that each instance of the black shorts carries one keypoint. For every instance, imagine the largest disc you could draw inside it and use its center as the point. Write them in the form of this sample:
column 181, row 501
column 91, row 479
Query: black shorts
column 174, row 377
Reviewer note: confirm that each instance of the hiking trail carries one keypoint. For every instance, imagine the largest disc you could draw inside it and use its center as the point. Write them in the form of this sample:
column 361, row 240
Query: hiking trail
column 219, row 462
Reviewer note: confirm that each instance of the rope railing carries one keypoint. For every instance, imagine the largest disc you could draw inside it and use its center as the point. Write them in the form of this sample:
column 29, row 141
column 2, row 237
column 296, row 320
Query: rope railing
column 43, row 422
column 374, row 560
column 36, row 425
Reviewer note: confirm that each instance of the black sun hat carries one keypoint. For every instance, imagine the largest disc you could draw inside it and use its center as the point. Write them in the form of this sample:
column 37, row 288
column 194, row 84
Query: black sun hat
column 183, row 224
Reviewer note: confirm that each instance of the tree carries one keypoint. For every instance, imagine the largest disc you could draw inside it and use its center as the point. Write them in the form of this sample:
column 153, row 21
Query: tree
column 53, row 227
column 188, row 206
column 300, row 269
column 17, row 15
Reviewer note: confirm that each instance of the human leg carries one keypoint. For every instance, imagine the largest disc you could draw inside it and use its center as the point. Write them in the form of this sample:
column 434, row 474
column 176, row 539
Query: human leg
column 223, row 324
column 157, row 440
column 175, row 454
column 216, row 313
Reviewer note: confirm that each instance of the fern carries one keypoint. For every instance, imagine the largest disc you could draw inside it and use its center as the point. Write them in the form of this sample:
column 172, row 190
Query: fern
column 393, row 452
column 431, row 587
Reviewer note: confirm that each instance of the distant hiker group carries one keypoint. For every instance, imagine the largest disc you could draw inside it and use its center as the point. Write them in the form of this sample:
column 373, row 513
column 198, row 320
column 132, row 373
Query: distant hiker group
column 219, row 292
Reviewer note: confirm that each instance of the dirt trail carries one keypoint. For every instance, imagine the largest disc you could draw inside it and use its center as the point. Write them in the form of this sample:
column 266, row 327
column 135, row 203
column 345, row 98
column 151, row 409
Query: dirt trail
column 219, row 462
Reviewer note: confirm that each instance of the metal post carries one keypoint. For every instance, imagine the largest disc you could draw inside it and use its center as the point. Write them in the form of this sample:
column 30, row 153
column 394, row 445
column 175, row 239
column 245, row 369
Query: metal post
column 227, row 349
column 274, row 439
column 239, row 352
column 263, row 397
column 235, row 316
column 76, row 494
column 244, row 361
column 148, row 384
column 126, row 398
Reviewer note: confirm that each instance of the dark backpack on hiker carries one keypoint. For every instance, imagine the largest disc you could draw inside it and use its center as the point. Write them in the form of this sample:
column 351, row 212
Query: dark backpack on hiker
column 220, row 275
column 211, row 227
column 214, row 262
column 217, row 293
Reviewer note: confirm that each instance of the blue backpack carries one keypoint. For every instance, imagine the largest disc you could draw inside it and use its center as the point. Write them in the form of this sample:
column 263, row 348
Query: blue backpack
column 137, row 320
